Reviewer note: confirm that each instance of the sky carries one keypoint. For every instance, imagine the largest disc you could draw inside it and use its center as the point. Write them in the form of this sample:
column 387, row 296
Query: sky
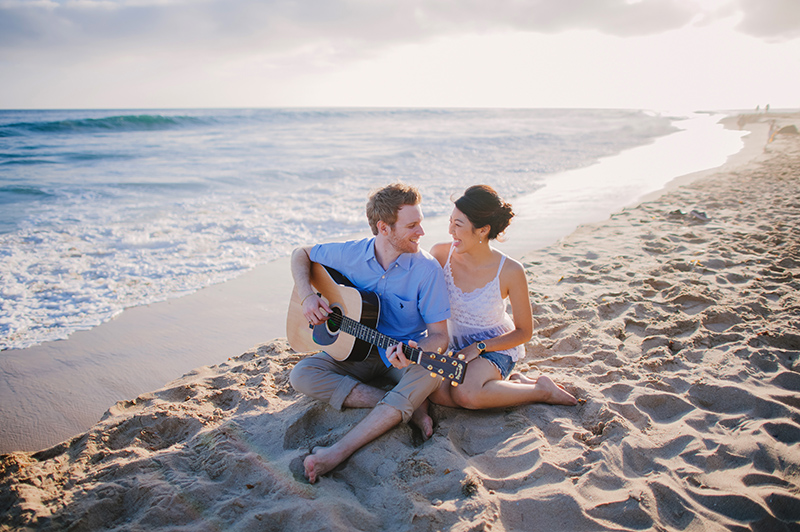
column 665, row 55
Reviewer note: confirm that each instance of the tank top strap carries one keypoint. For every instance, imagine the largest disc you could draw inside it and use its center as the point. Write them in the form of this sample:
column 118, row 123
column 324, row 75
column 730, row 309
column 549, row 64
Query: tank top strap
column 450, row 253
column 502, row 261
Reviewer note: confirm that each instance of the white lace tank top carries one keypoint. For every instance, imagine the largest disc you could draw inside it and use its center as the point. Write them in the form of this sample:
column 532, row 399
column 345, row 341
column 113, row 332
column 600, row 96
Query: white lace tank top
column 478, row 315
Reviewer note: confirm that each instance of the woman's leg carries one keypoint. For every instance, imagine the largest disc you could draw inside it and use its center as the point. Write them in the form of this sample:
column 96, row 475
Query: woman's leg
column 483, row 388
column 442, row 395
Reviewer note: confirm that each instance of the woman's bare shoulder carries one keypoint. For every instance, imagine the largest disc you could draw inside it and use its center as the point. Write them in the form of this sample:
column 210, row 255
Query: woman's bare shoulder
column 440, row 251
column 512, row 269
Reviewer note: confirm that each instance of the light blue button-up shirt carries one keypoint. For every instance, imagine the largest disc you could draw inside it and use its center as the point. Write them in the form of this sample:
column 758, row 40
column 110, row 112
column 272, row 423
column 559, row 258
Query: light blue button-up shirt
column 412, row 290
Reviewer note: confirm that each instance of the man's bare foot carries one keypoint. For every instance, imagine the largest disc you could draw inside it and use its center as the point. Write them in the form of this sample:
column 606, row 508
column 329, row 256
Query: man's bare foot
column 320, row 461
column 423, row 421
column 554, row 394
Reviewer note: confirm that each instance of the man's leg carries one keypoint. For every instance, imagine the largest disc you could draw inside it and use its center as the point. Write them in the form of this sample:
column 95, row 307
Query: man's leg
column 363, row 396
column 340, row 384
column 382, row 418
column 415, row 384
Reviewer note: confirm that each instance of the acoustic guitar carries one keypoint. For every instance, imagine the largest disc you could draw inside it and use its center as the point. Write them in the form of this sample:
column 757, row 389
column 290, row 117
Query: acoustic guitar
column 349, row 332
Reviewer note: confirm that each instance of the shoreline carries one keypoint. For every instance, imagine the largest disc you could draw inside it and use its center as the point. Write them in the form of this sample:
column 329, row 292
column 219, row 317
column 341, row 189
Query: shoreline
column 678, row 334
column 45, row 399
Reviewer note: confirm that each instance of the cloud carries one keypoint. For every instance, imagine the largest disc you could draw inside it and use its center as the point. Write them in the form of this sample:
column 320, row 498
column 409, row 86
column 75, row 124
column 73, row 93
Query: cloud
column 92, row 27
column 616, row 17
column 772, row 20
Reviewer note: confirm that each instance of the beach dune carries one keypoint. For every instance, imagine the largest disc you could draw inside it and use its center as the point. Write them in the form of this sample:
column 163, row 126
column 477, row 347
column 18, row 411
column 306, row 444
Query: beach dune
column 676, row 323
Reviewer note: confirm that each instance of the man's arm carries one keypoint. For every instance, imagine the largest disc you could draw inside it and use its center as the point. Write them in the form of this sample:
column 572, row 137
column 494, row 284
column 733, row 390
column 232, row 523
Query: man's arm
column 315, row 309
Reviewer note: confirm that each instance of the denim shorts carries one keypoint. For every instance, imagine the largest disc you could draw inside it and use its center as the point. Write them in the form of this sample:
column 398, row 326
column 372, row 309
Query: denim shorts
column 501, row 361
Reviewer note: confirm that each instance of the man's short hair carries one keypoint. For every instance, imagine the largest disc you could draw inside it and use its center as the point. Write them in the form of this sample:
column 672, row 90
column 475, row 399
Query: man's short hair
column 384, row 203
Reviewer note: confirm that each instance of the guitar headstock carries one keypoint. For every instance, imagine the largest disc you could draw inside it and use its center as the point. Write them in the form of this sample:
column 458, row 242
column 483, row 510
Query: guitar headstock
column 445, row 366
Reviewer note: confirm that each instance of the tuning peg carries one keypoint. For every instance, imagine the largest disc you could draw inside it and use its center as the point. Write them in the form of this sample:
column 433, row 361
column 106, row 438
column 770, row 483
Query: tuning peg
column 434, row 375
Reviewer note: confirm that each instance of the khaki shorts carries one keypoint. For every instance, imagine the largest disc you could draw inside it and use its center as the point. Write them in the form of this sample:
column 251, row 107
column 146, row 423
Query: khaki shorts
column 331, row 381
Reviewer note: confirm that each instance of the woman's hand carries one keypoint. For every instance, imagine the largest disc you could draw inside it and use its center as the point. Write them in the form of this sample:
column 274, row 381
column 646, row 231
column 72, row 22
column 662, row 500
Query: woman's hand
column 469, row 353
column 396, row 357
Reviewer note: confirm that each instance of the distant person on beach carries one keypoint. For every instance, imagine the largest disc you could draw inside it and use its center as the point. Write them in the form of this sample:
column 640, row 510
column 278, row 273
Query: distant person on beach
column 414, row 308
column 479, row 280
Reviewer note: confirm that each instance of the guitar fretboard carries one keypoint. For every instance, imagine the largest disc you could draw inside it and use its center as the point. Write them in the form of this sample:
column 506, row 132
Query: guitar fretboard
column 371, row 336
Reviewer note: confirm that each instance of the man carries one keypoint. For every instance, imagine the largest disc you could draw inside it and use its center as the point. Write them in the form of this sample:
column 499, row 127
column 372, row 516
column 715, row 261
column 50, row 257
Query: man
column 414, row 309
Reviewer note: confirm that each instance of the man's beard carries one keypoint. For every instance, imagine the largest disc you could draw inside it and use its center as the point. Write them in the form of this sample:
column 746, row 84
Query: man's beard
column 402, row 245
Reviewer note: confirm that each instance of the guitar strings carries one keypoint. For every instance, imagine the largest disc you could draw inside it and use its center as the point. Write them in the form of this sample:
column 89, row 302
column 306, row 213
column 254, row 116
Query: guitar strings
column 359, row 330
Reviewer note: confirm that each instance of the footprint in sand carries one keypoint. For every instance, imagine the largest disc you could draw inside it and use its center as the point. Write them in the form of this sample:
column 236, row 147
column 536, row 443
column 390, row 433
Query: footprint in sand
column 627, row 513
column 674, row 510
column 783, row 432
column 618, row 392
column 788, row 381
column 178, row 394
column 720, row 321
column 226, row 399
column 760, row 479
column 786, row 341
column 737, row 507
column 155, row 431
column 320, row 425
column 631, row 413
column 733, row 400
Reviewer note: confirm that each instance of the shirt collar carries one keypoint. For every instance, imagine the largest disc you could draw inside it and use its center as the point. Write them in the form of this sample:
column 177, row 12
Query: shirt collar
column 404, row 260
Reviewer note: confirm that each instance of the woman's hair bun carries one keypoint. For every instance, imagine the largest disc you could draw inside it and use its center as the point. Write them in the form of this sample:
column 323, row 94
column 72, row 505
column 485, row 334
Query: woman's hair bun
column 483, row 206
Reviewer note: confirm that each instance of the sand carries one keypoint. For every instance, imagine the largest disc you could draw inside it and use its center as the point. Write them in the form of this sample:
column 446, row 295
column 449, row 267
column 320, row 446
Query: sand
column 676, row 323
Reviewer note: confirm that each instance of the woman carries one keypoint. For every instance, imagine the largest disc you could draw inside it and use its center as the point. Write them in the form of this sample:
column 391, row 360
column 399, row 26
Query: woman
column 480, row 279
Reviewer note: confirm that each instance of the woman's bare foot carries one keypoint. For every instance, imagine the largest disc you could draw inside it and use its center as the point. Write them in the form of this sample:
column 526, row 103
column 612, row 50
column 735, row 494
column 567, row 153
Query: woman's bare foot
column 554, row 394
column 423, row 421
column 320, row 461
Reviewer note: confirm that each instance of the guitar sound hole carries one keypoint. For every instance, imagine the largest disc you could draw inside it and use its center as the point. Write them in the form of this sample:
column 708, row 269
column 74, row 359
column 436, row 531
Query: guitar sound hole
column 335, row 319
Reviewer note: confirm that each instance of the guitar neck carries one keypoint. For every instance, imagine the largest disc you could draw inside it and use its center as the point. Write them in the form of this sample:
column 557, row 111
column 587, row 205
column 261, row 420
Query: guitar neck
column 371, row 336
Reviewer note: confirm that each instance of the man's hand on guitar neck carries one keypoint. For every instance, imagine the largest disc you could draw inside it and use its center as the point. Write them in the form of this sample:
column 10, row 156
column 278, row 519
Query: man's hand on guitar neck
column 396, row 357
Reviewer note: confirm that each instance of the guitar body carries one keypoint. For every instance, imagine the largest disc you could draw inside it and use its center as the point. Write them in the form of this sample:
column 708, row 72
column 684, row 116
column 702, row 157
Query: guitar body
column 350, row 331
column 346, row 300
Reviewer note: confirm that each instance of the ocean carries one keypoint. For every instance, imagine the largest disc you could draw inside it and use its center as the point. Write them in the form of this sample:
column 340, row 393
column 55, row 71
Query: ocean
column 101, row 210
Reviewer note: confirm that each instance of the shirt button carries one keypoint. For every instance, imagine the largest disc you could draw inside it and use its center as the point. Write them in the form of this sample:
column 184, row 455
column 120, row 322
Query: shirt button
column 383, row 277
